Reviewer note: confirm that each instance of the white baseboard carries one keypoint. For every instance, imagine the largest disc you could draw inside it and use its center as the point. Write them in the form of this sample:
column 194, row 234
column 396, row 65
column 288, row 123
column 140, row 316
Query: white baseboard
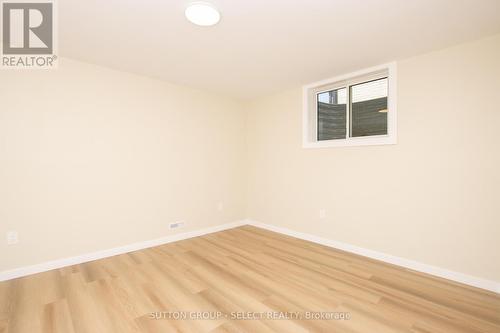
column 59, row 263
column 406, row 263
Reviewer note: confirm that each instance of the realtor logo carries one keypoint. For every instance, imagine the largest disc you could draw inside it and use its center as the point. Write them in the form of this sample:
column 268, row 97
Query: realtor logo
column 28, row 34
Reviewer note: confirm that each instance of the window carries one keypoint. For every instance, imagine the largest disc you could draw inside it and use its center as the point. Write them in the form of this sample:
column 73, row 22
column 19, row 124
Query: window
column 332, row 110
column 352, row 110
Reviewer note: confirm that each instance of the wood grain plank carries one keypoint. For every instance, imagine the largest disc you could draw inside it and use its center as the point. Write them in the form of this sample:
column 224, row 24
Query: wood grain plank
column 237, row 271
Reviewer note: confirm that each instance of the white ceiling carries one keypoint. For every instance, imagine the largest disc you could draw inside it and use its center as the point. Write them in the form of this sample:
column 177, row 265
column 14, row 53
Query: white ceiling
column 264, row 46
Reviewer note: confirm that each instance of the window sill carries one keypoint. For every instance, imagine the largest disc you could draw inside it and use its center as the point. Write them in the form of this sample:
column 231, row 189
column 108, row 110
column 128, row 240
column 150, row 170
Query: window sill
column 353, row 142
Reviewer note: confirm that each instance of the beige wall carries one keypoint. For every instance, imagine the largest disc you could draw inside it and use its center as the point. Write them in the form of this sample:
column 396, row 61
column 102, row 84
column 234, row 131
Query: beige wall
column 92, row 158
column 434, row 197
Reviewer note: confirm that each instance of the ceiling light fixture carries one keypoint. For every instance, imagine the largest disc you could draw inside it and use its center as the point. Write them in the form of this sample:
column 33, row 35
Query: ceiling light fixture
column 202, row 13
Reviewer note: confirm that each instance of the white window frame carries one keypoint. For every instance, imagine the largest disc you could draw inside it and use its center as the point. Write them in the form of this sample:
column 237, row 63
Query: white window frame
column 310, row 108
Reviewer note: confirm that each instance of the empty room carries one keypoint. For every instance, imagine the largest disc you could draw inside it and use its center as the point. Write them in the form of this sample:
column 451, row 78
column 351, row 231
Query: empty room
column 250, row 166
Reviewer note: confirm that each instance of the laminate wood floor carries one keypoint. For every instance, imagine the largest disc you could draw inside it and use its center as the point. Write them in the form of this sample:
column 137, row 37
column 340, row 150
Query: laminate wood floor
column 237, row 276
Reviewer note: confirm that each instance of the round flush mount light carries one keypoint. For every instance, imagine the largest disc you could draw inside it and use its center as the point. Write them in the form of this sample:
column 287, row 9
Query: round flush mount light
column 202, row 13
